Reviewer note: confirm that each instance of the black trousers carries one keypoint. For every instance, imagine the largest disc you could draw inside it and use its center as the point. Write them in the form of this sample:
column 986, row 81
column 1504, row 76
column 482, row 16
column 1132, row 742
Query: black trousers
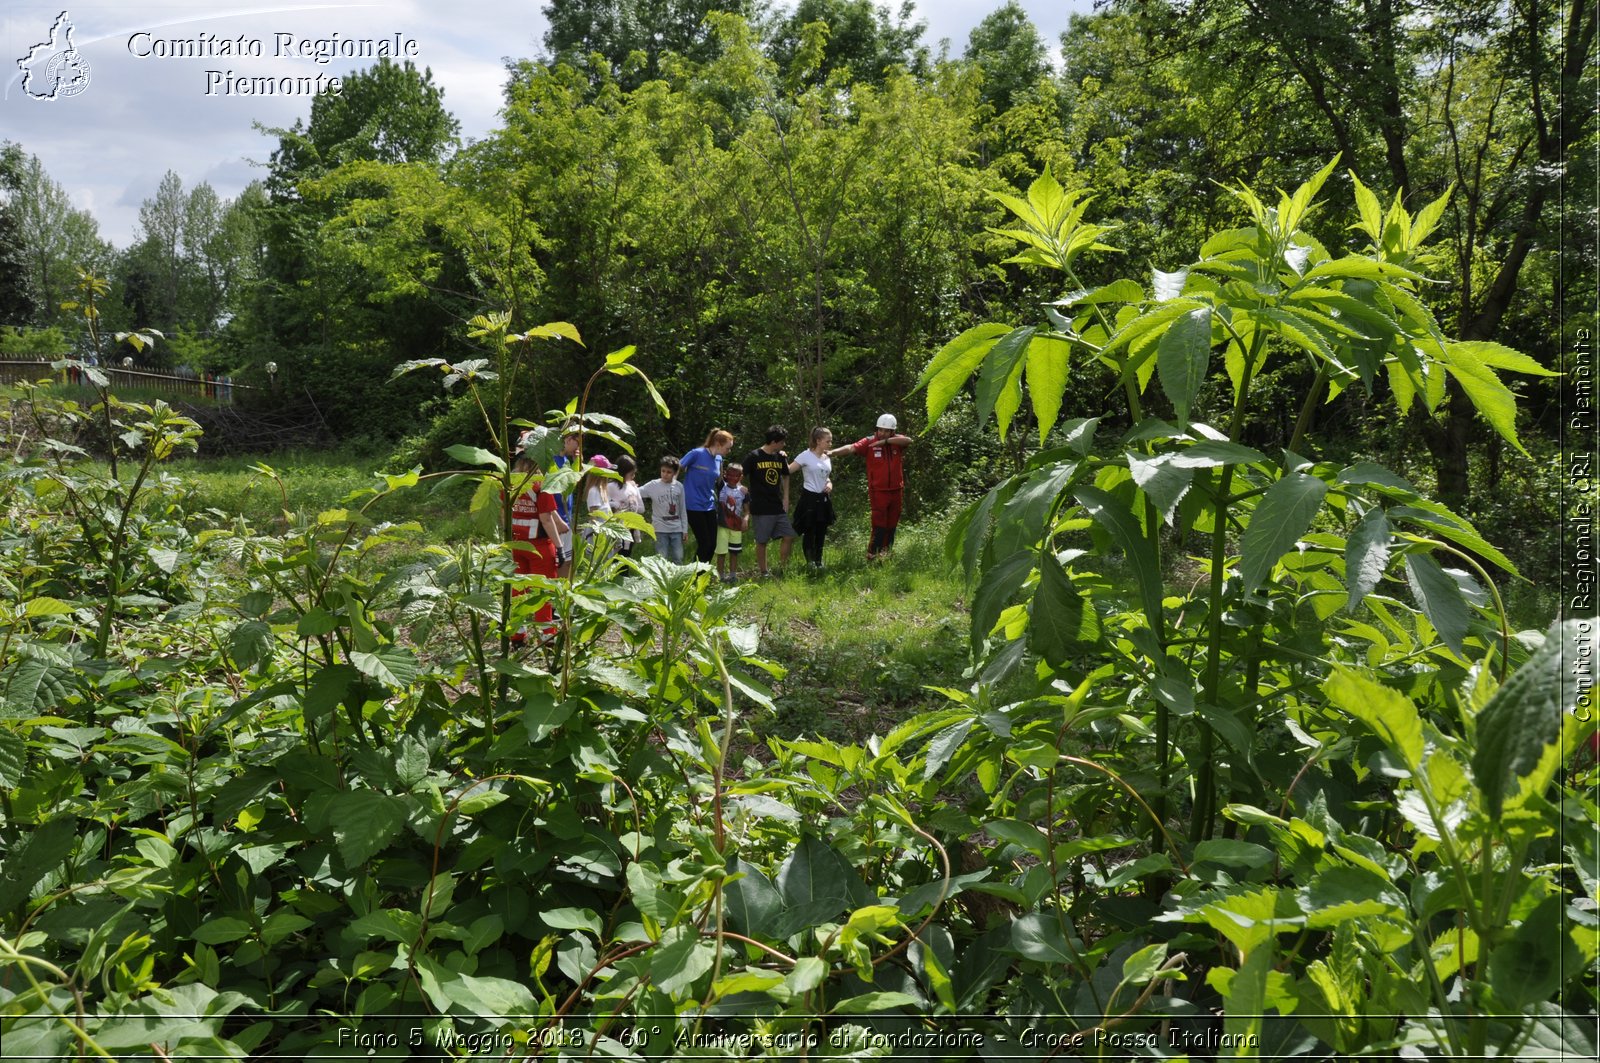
column 704, row 525
column 812, row 517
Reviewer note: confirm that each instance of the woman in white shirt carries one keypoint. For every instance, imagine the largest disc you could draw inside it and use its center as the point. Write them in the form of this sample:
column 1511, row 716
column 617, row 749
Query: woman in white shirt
column 814, row 513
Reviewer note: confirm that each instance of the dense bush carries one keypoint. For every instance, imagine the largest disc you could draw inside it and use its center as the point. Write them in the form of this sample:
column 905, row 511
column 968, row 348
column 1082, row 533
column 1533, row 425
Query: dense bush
column 297, row 788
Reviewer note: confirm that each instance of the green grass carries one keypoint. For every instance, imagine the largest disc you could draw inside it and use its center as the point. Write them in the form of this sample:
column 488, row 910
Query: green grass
column 861, row 641
column 316, row 480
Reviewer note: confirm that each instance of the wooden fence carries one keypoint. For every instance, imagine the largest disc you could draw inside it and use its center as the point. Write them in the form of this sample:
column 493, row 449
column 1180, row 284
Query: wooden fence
column 187, row 384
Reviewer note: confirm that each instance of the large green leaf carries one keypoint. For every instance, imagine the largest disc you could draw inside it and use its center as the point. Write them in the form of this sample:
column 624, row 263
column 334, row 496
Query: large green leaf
column 1040, row 937
column 38, row 853
column 1389, row 713
column 955, row 362
column 363, row 822
column 999, row 384
column 1049, row 359
column 1182, row 357
column 1489, row 396
column 1211, row 453
column 1118, row 291
column 816, row 884
column 1446, row 525
column 679, row 959
column 541, row 713
column 867, row 1003
column 497, row 1001
column 1119, row 522
column 1499, row 356
column 753, row 902
column 970, row 530
column 1162, row 480
column 393, row 666
column 1346, row 892
column 222, row 930
column 1282, row 516
column 1061, row 620
column 1440, row 599
column 474, row 455
column 1366, row 555
column 13, row 759
column 1534, row 962
column 329, row 687
column 486, row 511
column 34, row 686
column 250, row 643
column 995, row 591
column 1022, row 522
column 1524, row 717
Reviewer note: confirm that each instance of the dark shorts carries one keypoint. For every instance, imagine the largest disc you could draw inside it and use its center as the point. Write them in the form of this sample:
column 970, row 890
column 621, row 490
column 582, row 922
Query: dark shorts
column 769, row 526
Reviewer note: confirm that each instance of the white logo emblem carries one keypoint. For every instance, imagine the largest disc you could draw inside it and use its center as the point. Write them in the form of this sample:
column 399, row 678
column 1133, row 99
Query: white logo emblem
column 54, row 68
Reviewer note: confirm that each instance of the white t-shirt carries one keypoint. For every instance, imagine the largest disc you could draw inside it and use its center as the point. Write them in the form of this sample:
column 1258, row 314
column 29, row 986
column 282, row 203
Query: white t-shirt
column 816, row 469
column 625, row 499
column 666, row 505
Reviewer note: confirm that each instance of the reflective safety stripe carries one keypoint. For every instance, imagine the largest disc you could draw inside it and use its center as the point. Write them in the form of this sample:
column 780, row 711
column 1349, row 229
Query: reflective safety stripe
column 524, row 522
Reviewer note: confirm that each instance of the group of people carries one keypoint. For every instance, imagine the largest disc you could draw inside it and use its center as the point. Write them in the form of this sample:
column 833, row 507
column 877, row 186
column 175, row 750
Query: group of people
column 717, row 501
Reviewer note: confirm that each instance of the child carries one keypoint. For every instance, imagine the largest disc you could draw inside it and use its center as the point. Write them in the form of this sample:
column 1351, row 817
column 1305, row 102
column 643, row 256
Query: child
column 733, row 506
column 536, row 522
column 814, row 513
column 625, row 499
column 768, row 466
column 596, row 497
column 665, row 496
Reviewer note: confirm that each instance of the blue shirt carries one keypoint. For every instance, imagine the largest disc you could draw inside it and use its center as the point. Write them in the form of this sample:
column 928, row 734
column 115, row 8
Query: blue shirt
column 564, row 502
column 699, row 471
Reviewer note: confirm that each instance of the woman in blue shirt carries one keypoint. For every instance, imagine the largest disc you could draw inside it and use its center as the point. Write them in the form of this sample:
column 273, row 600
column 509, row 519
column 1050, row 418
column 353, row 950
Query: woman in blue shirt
column 699, row 470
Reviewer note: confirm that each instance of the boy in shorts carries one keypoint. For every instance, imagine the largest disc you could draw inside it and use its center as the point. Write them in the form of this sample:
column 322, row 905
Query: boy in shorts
column 768, row 466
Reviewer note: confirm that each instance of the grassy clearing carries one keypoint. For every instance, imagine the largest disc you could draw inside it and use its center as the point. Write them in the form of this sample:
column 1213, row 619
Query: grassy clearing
column 861, row 641
column 316, row 480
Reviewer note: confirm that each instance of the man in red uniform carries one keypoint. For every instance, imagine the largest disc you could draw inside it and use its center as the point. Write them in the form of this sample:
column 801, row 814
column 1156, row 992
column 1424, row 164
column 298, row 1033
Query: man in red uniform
column 884, row 453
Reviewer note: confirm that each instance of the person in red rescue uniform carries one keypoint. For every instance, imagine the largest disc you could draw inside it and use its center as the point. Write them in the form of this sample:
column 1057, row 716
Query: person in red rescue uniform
column 884, row 453
column 536, row 521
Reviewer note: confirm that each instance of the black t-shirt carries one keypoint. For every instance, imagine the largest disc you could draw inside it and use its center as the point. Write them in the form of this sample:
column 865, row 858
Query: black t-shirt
column 763, row 474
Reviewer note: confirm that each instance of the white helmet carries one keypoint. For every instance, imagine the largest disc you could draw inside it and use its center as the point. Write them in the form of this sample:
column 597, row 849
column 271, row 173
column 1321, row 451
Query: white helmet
column 888, row 421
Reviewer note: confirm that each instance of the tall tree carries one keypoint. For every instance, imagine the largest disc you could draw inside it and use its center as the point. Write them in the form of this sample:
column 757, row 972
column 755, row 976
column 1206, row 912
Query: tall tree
column 1486, row 96
column 631, row 37
column 159, row 249
column 16, row 297
column 57, row 240
column 386, row 113
column 1007, row 47
column 860, row 40
column 314, row 312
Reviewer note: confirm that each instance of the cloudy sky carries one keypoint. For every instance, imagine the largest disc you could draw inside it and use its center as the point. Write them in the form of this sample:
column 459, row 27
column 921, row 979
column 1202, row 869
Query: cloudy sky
column 141, row 112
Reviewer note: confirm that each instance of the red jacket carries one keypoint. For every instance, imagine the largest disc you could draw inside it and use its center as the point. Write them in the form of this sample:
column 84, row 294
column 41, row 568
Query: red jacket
column 885, row 463
column 525, row 514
